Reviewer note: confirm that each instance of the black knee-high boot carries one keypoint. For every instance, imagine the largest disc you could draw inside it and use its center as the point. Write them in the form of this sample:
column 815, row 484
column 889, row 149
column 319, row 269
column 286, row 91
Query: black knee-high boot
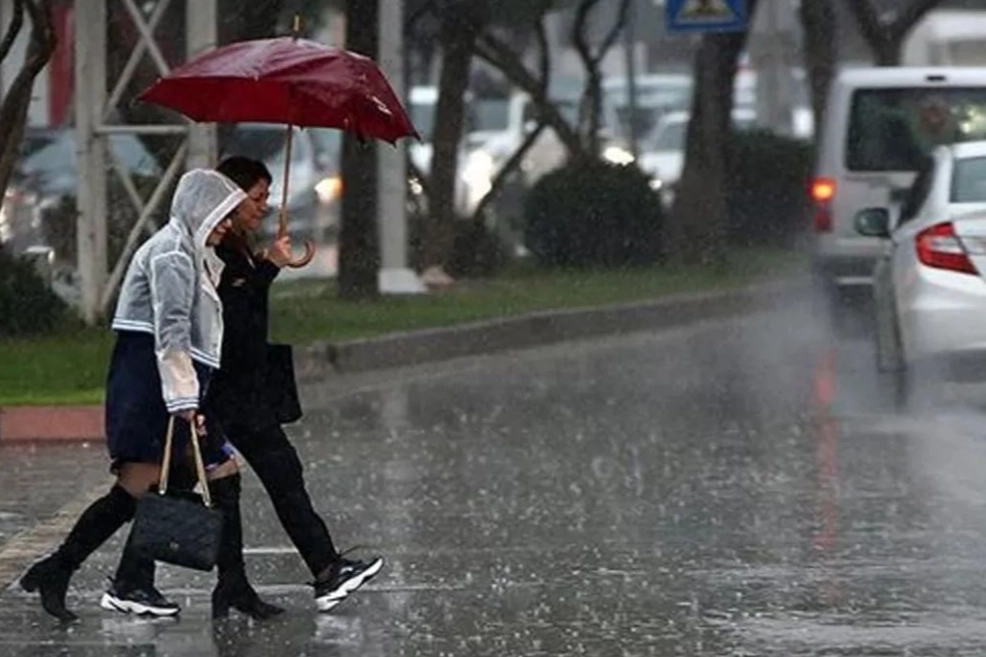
column 97, row 523
column 233, row 589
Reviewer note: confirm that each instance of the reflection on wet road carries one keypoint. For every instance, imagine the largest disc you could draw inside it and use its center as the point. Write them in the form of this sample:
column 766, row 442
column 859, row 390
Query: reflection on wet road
column 737, row 488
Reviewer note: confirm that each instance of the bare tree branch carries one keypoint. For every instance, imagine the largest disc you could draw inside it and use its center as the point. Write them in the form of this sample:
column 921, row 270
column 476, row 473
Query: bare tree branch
column 13, row 110
column 514, row 161
column 614, row 32
column 498, row 54
column 578, row 29
column 868, row 20
column 911, row 14
column 16, row 23
column 885, row 37
column 590, row 108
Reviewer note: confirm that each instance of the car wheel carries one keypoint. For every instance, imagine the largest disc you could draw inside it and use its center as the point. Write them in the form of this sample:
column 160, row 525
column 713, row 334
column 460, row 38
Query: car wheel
column 896, row 388
column 889, row 348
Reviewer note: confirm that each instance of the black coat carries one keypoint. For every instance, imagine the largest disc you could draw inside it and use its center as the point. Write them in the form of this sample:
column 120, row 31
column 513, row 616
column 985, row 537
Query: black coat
column 237, row 392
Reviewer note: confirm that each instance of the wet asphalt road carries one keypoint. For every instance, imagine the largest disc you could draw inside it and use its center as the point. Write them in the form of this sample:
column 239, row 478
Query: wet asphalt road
column 735, row 488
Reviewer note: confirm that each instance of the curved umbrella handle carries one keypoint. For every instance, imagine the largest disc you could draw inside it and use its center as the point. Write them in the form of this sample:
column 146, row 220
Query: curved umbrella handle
column 305, row 259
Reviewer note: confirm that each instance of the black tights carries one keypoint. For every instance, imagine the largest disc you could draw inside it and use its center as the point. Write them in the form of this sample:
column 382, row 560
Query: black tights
column 95, row 526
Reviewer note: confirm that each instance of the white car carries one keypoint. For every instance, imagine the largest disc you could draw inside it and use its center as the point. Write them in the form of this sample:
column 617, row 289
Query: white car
column 662, row 151
column 928, row 285
column 879, row 127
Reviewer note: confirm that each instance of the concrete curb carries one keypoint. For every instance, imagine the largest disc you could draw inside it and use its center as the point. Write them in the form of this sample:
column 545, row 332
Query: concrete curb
column 54, row 423
column 530, row 330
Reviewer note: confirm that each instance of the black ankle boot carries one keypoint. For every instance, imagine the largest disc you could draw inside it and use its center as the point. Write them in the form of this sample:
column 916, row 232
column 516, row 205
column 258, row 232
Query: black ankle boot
column 51, row 579
column 233, row 589
column 51, row 575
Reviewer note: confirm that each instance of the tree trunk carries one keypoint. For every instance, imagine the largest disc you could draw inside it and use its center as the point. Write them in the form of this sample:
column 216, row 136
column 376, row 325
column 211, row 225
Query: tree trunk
column 884, row 37
column 818, row 21
column 13, row 109
column 886, row 52
column 700, row 209
column 457, row 36
column 359, row 258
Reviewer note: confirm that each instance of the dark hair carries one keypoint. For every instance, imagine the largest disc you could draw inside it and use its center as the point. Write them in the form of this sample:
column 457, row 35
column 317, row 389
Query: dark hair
column 244, row 171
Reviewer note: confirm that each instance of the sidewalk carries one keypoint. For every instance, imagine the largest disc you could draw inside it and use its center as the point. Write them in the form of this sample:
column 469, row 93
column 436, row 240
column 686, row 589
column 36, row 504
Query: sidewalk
column 314, row 362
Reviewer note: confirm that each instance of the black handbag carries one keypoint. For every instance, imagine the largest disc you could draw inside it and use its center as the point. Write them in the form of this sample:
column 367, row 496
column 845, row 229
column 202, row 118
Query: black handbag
column 280, row 385
column 178, row 527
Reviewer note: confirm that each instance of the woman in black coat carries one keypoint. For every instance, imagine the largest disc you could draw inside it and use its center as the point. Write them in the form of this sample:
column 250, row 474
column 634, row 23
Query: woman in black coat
column 241, row 400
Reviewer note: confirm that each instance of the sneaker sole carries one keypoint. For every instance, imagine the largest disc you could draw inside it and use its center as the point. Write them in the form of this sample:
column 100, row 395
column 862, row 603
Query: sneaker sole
column 327, row 602
column 112, row 603
column 351, row 585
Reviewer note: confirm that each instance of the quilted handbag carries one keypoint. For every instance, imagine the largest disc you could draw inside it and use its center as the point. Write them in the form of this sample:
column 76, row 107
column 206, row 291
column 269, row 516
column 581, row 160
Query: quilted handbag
column 281, row 387
column 178, row 527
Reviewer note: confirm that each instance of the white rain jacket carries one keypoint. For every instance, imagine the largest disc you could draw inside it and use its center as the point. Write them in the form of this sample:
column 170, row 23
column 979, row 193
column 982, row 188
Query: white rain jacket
column 169, row 290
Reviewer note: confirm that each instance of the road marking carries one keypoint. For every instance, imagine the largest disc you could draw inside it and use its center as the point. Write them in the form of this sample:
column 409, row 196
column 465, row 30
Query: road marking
column 30, row 544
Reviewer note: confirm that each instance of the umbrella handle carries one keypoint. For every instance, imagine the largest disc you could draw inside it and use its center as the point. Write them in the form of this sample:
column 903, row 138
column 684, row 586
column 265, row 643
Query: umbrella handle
column 305, row 259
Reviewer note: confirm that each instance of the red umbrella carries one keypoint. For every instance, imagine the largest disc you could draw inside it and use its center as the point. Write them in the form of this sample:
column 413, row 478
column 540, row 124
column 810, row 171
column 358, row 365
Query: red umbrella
column 286, row 80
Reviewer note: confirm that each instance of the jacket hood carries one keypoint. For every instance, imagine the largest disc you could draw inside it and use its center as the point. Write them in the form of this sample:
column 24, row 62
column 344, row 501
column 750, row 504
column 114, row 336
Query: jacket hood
column 202, row 200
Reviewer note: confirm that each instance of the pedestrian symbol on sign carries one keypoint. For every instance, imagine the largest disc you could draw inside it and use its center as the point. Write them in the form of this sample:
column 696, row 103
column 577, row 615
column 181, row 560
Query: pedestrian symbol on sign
column 705, row 15
column 712, row 11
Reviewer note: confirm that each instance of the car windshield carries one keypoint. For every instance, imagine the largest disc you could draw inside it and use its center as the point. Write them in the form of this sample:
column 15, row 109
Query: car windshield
column 969, row 180
column 328, row 145
column 52, row 157
column 490, row 114
column 667, row 137
column 261, row 143
column 896, row 129
column 423, row 118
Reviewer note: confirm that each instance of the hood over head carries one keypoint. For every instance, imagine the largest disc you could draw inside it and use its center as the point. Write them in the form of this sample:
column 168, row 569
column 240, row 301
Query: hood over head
column 202, row 200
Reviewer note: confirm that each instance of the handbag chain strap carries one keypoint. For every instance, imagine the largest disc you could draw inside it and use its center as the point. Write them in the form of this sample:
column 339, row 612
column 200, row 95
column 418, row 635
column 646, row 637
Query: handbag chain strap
column 199, row 464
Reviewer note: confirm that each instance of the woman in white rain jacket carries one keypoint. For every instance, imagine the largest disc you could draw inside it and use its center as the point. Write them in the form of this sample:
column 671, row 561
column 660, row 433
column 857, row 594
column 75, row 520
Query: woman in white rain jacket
column 169, row 327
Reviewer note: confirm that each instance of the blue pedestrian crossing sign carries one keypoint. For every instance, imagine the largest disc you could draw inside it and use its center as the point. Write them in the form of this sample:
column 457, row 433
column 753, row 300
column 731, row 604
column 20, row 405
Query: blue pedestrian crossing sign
column 706, row 15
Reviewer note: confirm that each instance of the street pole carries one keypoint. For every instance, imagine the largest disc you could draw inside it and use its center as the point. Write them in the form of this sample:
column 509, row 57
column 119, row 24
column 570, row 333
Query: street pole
column 630, row 51
column 773, row 69
column 90, row 99
column 394, row 276
column 200, row 30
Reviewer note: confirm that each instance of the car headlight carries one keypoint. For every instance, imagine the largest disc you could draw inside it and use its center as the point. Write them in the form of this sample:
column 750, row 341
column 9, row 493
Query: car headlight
column 618, row 155
column 478, row 172
column 329, row 189
column 656, row 184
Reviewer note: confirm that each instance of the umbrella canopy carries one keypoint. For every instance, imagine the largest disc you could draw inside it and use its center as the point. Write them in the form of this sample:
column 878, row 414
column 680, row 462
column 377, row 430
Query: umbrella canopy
column 285, row 80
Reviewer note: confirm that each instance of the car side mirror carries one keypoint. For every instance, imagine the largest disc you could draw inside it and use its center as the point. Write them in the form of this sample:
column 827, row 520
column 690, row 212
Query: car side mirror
column 873, row 222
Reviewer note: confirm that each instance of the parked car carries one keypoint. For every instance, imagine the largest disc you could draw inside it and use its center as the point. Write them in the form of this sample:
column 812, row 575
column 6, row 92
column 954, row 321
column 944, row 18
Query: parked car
column 656, row 95
column 315, row 182
column 662, row 151
column 879, row 127
column 49, row 164
column 928, row 283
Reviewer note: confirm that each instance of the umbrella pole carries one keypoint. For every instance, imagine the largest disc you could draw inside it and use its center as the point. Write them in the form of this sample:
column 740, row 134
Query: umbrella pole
column 282, row 229
column 283, row 218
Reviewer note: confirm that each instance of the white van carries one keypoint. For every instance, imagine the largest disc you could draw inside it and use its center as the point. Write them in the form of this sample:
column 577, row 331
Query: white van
column 880, row 126
column 947, row 37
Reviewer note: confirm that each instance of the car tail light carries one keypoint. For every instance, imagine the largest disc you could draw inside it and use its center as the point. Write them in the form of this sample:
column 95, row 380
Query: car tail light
column 822, row 193
column 941, row 248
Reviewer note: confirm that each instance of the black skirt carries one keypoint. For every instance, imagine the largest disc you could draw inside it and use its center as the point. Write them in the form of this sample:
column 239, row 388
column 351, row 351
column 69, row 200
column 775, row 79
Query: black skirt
column 136, row 416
